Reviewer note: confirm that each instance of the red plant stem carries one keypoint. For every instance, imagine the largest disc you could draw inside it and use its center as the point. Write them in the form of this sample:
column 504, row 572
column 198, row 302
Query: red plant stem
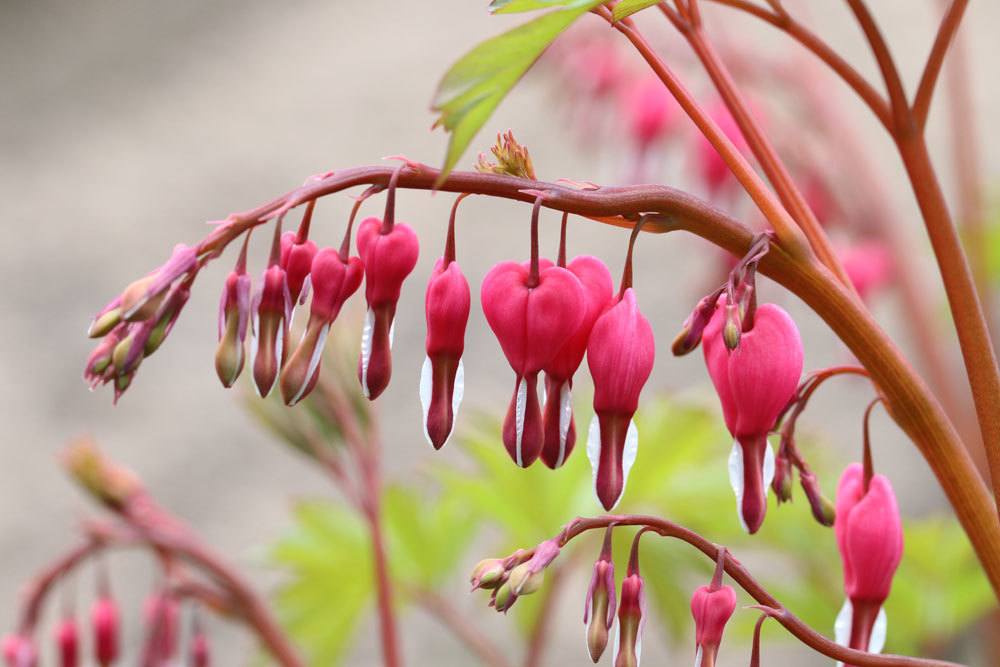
column 966, row 163
column 475, row 640
column 783, row 224
column 784, row 21
column 868, row 464
column 42, row 583
column 898, row 103
column 746, row 581
column 449, row 245
column 910, row 402
column 790, row 196
column 928, row 80
column 533, row 272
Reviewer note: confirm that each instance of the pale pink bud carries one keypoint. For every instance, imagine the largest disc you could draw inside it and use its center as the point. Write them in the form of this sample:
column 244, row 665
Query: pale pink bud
column 270, row 311
column 601, row 604
column 631, row 619
column 620, row 355
column 389, row 256
column 234, row 315
column 141, row 299
column 19, row 651
column 711, row 608
column 870, row 539
column 532, row 322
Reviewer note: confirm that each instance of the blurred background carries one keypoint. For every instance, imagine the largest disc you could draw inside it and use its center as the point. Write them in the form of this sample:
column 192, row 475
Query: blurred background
column 125, row 126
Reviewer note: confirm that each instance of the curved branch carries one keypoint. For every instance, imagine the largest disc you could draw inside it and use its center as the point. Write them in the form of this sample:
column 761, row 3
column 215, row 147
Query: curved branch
column 911, row 403
column 928, row 80
column 887, row 66
column 798, row 628
column 871, row 97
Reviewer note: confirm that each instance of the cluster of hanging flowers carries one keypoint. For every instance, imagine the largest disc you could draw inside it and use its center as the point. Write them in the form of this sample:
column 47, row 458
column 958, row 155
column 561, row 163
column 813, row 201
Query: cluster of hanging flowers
column 547, row 316
column 162, row 643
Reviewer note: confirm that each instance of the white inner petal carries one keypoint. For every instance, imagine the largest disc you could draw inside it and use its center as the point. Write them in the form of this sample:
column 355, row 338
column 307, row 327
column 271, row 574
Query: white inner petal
column 697, row 656
column 628, row 457
column 542, row 392
column 736, row 480
column 768, row 468
column 254, row 344
column 304, row 294
column 519, row 406
column 392, row 331
column 594, row 456
column 565, row 418
column 842, row 626
column 617, row 633
column 426, row 379
column 366, row 350
column 457, row 394
column 877, row 640
column 313, row 362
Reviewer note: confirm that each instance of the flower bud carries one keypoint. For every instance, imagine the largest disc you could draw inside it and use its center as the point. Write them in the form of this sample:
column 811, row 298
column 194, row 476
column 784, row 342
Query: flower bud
column 620, row 355
column 270, row 312
column 107, row 319
column 711, row 608
column 389, row 256
column 442, row 378
column 162, row 615
column 822, row 509
column 600, row 606
column 201, row 652
column 754, row 383
column 141, row 300
column 782, row 482
column 557, row 420
column 631, row 619
column 105, row 627
column 333, row 281
column 524, row 581
column 68, row 643
column 694, row 326
column 870, row 539
column 532, row 318
column 488, row 573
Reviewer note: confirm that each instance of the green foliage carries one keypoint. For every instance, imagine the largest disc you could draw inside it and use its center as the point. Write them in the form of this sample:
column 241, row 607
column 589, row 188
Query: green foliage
column 680, row 474
column 475, row 85
column 626, row 8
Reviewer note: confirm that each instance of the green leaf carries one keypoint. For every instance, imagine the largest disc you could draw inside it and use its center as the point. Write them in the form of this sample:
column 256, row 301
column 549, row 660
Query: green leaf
column 626, row 8
column 471, row 90
column 518, row 6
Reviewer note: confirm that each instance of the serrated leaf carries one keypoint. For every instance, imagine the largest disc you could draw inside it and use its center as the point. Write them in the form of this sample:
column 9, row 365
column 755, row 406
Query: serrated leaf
column 626, row 8
column 471, row 90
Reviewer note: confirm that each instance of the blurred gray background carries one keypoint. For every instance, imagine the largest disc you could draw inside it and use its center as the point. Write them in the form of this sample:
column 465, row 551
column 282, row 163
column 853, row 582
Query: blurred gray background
column 125, row 125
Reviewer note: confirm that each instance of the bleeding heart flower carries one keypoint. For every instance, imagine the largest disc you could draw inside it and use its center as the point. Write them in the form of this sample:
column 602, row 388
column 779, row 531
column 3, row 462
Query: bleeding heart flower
column 106, row 630
column 334, row 279
column 442, row 379
column 870, row 539
column 234, row 314
column 270, row 312
column 297, row 253
column 389, row 253
column 754, row 383
column 558, row 424
column 68, row 643
column 650, row 109
column 711, row 609
column 631, row 620
column 620, row 355
column 599, row 608
column 533, row 314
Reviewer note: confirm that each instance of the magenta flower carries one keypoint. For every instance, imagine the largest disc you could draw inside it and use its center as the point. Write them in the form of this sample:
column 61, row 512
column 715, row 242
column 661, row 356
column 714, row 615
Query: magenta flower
column 651, row 111
column 558, row 424
column 631, row 619
column 620, row 355
column 19, row 651
column 334, row 277
column 534, row 309
column 868, row 265
column 442, row 378
column 715, row 172
column 162, row 616
column 389, row 253
column 711, row 607
column 68, row 643
column 297, row 253
column 870, row 539
column 754, row 383
column 104, row 624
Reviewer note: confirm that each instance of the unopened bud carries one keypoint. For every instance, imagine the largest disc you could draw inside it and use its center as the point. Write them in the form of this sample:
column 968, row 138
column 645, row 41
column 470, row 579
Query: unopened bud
column 731, row 330
column 524, row 580
column 201, row 654
column 105, row 625
column 110, row 484
column 694, row 326
column 782, row 482
column 137, row 304
column 105, row 322
column 822, row 509
column 68, row 643
column 487, row 574
column 504, row 597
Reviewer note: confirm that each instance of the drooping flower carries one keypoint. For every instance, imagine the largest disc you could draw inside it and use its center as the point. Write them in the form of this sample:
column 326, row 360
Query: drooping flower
column 270, row 312
column 713, row 169
column 335, row 277
column 442, row 378
column 104, row 624
column 711, row 608
column 162, row 616
column 650, row 109
column 297, row 253
column 754, row 383
column 631, row 614
column 234, row 316
column 870, row 539
column 558, row 423
column 68, row 642
column 389, row 252
column 868, row 265
column 533, row 309
column 601, row 604
column 620, row 355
